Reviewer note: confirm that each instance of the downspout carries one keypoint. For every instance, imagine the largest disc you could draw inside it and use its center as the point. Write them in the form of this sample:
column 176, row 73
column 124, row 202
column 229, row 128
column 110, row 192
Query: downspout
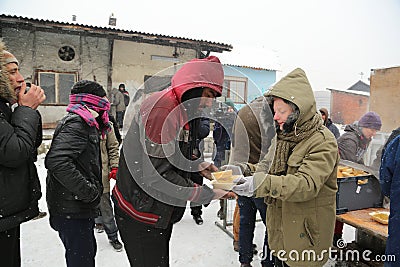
column 110, row 65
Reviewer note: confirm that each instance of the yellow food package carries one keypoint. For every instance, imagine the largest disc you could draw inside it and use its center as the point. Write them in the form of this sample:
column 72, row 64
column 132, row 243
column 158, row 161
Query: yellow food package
column 380, row 216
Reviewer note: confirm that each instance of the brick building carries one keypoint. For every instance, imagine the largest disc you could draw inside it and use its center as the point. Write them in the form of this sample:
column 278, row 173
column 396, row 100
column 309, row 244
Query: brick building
column 349, row 105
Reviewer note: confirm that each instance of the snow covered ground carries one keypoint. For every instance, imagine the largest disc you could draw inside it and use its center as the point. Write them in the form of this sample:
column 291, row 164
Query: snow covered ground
column 191, row 244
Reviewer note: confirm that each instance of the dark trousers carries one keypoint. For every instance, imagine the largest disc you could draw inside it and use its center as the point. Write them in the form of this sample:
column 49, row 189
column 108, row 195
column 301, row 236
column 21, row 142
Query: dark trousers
column 248, row 207
column 145, row 245
column 78, row 238
column 120, row 118
column 10, row 253
column 196, row 209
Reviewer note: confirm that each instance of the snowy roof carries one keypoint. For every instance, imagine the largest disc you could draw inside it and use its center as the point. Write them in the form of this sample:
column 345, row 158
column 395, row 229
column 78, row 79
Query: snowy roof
column 251, row 57
column 354, row 92
column 116, row 33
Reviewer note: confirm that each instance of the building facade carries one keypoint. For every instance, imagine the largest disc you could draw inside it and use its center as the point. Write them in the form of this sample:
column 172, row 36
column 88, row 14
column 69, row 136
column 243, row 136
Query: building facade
column 385, row 96
column 55, row 55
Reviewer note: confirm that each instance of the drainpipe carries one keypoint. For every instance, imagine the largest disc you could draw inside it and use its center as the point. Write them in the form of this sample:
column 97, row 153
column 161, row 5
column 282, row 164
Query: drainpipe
column 110, row 65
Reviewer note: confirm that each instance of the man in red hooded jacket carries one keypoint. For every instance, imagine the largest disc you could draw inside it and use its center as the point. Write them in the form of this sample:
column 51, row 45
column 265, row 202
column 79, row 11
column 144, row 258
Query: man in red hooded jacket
column 153, row 181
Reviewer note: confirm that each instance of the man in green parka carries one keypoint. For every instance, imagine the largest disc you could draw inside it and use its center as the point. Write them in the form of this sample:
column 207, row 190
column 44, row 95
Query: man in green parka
column 297, row 178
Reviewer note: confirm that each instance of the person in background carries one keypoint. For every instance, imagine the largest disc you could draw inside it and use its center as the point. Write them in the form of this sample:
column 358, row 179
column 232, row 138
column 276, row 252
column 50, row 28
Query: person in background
column 352, row 146
column 117, row 109
column 246, row 147
column 156, row 162
column 328, row 122
column 20, row 136
column 390, row 185
column 203, row 132
column 109, row 149
column 357, row 136
column 222, row 132
column 125, row 94
column 114, row 123
column 74, row 178
column 297, row 177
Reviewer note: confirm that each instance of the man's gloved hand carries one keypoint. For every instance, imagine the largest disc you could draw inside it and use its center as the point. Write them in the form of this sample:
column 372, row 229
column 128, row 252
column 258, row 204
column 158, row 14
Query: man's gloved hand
column 245, row 186
column 113, row 173
column 236, row 170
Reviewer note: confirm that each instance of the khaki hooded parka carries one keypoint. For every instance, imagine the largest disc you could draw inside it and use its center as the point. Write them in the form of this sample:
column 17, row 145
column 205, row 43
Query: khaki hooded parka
column 301, row 215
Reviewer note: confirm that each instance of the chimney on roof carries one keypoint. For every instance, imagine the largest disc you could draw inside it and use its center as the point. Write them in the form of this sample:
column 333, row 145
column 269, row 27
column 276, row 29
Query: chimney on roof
column 112, row 21
column 73, row 17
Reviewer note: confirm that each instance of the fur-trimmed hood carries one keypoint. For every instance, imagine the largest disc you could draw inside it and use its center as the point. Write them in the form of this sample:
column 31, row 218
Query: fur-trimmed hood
column 296, row 88
column 5, row 89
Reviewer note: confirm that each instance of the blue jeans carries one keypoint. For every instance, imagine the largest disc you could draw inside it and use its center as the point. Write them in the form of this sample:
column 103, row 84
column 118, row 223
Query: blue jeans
column 78, row 238
column 107, row 217
column 248, row 207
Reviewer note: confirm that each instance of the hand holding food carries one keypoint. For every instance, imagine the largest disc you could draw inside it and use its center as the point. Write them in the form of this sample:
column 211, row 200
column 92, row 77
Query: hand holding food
column 224, row 179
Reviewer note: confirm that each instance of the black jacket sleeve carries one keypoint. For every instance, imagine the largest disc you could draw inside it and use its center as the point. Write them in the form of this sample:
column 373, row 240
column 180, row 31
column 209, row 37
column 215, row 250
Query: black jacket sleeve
column 61, row 160
column 18, row 138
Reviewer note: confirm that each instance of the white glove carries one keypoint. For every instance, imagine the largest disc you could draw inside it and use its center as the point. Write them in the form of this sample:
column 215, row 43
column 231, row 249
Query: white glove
column 245, row 187
column 240, row 180
column 236, row 170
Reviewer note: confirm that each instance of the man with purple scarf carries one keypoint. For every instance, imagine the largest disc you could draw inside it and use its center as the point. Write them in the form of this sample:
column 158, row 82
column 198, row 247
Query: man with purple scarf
column 74, row 184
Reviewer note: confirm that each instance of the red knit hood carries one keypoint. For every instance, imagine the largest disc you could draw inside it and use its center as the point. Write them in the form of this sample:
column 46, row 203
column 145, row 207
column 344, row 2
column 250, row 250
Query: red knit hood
column 161, row 114
column 206, row 72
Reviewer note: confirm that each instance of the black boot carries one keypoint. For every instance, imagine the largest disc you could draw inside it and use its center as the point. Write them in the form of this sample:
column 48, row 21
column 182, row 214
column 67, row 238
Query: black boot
column 198, row 219
column 336, row 238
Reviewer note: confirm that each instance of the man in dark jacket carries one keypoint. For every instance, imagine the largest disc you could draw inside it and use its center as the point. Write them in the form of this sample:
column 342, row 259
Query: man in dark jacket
column 252, row 138
column 74, row 181
column 153, row 181
column 125, row 103
column 328, row 122
column 203, row 126
column 20, row 136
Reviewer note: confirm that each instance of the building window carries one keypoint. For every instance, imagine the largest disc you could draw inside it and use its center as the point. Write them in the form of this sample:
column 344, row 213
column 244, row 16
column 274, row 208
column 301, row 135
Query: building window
column 57, row 86
column 236, row 89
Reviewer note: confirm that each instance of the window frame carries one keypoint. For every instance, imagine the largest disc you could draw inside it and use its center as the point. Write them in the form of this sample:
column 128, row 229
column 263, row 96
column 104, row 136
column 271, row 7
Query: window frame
column 56, row 83
column 227, row 84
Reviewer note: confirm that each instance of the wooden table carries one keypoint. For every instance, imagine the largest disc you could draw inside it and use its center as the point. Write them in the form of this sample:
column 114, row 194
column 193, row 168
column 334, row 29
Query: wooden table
column 360, row 219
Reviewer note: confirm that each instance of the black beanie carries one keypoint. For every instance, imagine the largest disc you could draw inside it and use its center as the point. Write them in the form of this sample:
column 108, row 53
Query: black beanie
column 88, row 87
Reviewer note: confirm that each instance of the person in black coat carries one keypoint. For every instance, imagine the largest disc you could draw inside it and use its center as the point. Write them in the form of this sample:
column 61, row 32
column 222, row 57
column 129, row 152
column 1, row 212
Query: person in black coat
column 201, row 130
column 153, row 182
column 74, row 181
column 328, row 122
column 20, row 136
